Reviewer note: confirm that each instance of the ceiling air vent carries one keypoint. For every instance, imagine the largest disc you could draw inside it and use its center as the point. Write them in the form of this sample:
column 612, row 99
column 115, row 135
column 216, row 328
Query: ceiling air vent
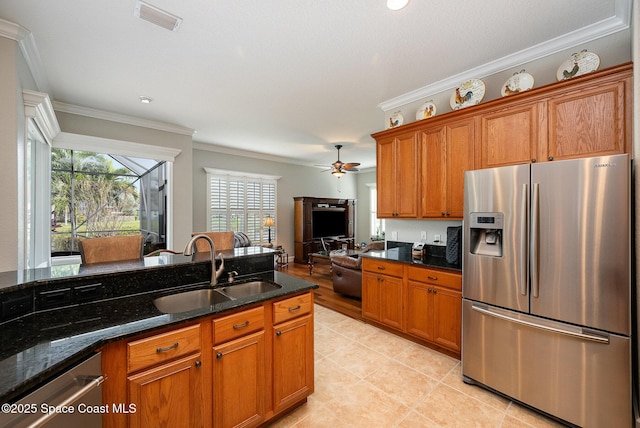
column 157, row 16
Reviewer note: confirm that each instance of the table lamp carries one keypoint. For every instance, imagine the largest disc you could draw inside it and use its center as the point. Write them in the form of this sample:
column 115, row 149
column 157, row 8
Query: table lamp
column 269, row 222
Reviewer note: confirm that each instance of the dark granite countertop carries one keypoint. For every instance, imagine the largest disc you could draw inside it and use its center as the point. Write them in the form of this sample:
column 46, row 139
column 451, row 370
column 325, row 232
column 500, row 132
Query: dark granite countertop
column 43, row 344
column 434, row 258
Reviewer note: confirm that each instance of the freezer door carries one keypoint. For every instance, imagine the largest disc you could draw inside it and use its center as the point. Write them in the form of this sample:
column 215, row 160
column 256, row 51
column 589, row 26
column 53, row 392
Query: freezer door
column 580, row 235
column 498, row 276
column 579, row 375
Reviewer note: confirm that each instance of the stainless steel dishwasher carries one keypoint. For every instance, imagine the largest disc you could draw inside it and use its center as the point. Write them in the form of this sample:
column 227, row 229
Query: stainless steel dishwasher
column 73, row 399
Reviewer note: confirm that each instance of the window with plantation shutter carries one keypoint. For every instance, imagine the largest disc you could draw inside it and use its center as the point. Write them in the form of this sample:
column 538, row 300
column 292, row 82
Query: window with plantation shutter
column 240, row 202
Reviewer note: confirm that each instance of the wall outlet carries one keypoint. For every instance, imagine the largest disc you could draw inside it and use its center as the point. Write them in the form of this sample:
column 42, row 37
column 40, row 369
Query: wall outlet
column 436, row 238
column 394, row 236
column 423, row 235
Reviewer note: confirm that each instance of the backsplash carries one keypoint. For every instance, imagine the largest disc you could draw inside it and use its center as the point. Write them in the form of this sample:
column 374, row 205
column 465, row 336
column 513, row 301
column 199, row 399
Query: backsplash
column 415, row 230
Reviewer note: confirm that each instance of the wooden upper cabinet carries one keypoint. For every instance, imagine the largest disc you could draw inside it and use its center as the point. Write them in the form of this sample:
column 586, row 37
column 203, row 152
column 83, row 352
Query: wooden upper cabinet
column 589, row 122
column 397, row 176
column 511, row 135
column 446, row 152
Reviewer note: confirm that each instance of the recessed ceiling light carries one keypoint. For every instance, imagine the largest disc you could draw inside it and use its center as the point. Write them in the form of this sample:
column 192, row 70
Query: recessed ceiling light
column 145, row 100
column 157, row 16
column 397, row 4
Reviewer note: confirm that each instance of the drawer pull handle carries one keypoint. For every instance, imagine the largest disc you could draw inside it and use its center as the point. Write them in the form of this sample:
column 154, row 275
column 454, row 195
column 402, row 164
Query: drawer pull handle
column 296, row 308
column 168, row 348
column 432, row 278
column 381, row 268
column 239, row 326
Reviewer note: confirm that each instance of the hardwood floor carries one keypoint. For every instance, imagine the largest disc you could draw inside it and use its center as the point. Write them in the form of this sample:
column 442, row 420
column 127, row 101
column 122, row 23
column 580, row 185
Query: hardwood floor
column 325, row 296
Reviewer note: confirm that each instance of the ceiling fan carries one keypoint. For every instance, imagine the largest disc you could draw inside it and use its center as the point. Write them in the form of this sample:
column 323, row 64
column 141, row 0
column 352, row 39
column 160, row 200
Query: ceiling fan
column 339, row 168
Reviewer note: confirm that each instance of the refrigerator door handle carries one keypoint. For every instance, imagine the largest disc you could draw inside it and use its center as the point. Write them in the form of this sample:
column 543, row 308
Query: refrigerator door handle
column 583, row 336
column 533, row 252
column 524, row 226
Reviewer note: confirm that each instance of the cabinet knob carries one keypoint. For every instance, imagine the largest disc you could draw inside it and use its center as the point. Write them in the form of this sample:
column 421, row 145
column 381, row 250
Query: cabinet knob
column 533, row 160
column 219, row 355
column 448, row 213
column 550, row 158
column 198, row 364
column 278, row 333
column 442, row 213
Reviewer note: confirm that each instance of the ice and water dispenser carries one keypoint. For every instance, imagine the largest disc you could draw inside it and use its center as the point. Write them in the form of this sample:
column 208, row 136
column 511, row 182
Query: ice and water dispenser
column 485, row 234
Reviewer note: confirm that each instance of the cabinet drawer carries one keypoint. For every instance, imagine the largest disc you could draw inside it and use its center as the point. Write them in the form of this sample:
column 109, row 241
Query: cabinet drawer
column 434, row 276
column 382, row 267
column 290, row 308
column 237, row 325
column 162, row 347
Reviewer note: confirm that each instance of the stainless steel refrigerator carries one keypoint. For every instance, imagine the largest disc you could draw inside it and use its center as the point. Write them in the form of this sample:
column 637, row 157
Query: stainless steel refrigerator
column 547, row 287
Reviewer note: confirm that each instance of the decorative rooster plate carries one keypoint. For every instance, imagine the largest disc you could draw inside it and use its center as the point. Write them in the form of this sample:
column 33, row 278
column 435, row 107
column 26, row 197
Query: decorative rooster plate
column 426, row 110
column 519, row 82
column 579, row 64
column 469, row 93
column 396, row 119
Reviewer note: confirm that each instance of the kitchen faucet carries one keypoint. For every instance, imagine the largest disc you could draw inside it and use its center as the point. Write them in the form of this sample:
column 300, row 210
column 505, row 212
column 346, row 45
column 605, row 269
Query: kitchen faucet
column 189, row 250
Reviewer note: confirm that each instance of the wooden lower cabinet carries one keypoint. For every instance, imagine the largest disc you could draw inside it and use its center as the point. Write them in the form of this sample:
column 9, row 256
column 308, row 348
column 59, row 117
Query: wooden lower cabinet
column 168, row 395
column 424, row 303
column 235, row 370
column 382, row 291
column 239, row 382
column 292, row 366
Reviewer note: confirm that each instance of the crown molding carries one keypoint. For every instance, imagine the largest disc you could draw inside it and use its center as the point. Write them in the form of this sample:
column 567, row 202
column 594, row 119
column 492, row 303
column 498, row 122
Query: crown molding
column 245, row 153
column 29, row 50
column 619, row 22
column 121, row 118
column 38, row 106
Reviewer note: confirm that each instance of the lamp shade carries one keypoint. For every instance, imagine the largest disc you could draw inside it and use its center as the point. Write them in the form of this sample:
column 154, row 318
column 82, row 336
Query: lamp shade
column 269, row 221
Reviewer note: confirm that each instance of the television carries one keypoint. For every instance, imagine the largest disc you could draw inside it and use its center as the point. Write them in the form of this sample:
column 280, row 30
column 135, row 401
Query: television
column 328, row 223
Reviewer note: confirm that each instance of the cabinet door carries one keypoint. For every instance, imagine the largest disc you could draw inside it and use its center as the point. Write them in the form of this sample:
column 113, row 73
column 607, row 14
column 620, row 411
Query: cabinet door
column 432, row 172
column 370, row 296
column 239, row 382
column 588, row 123
column 419, row 310
column 391, row 301
column 385, row 177
column 511, row 136
column 292, row 361
column 447, row 317
column 168, row 396
column 406, row 167
column 460, row 158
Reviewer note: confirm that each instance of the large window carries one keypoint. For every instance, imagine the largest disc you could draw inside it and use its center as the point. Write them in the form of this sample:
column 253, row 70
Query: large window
column 97, row 194
column 241, row 202
column 376, row 224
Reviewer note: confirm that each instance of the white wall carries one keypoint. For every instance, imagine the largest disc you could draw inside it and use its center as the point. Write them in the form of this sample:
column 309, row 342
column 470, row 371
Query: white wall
column 296, row 181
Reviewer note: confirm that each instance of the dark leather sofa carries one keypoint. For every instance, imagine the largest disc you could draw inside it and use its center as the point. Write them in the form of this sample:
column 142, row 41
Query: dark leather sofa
column 346, row 272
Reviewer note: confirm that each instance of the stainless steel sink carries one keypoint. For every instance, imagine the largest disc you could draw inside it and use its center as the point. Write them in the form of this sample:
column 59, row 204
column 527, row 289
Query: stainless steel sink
column 246, row 289
column 189, row 300
column 204, row 297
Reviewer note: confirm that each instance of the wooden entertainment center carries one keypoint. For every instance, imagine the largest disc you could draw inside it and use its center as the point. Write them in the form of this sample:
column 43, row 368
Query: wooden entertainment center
column 318, row 220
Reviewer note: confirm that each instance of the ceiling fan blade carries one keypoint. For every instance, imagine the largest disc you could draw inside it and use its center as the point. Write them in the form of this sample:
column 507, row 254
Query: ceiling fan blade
column 351, row 166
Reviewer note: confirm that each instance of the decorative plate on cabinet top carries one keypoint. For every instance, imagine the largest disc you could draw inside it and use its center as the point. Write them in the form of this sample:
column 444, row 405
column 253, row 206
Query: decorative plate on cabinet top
column 396, row 119
column 426, row 110
column 519, row 82
column 579, row 64
column 469, row 93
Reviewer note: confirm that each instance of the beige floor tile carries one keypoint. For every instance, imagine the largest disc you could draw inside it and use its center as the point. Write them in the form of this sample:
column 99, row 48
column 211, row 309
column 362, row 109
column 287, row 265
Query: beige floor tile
column 402, row 383
column 386, row 343
column 531, row 417
column 451, row 408
column 416, row 420
column 331, row 381
column 358, row 359
column 353, row 329
column 365, row 406
column 328, row 317
column 427, row 361
column 327, row 341
column 454, row 380
column 310, row 407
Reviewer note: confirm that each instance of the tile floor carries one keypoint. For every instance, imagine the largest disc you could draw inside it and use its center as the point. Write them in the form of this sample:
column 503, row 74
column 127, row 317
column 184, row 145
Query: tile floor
column 366, row 377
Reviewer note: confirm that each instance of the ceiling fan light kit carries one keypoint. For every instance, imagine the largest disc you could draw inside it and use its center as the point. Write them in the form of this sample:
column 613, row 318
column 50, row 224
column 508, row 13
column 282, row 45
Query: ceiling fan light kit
column 339, row 168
